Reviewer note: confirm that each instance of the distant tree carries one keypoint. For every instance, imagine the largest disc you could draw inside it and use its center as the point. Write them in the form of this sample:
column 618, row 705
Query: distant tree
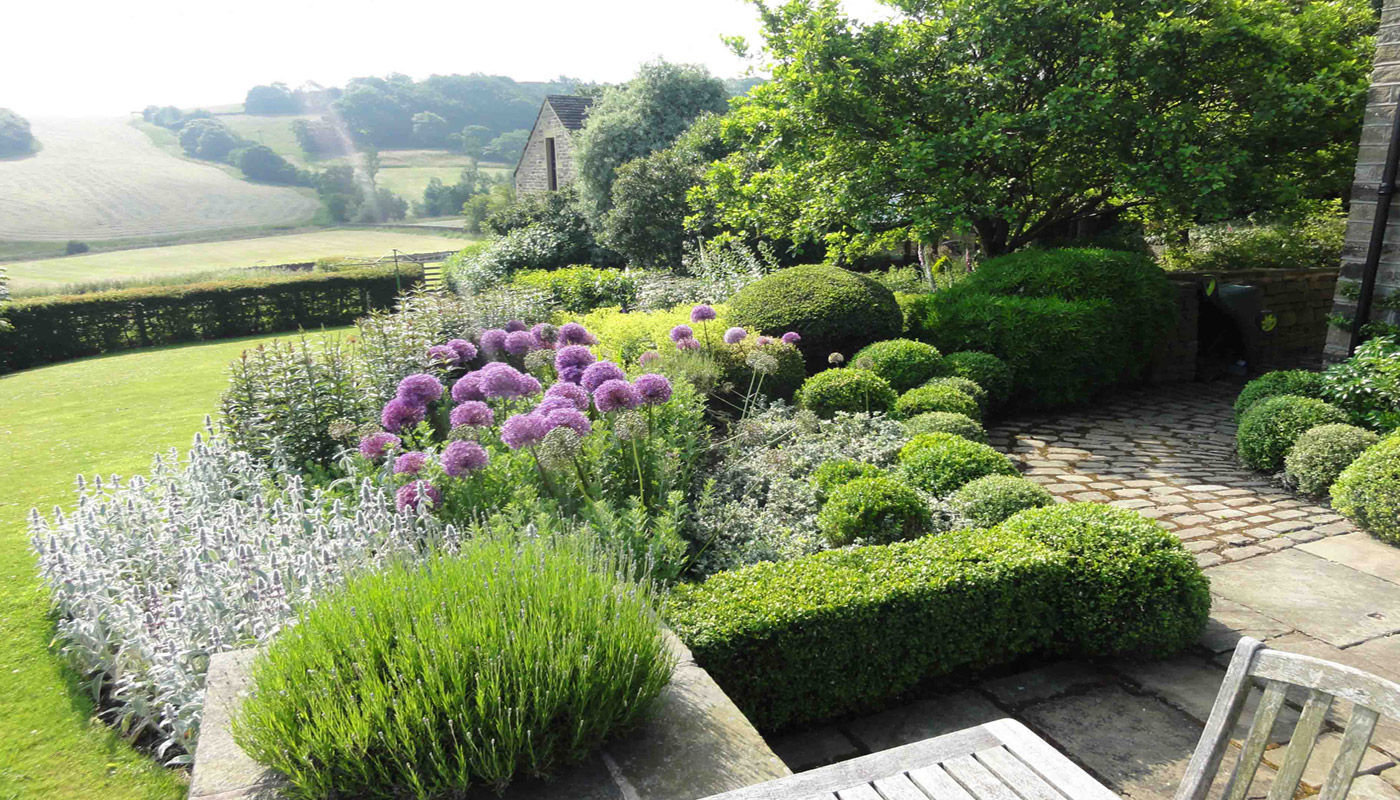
column 429, row 130
column 477, row 209
column 506, row 148
column 440, row 199
column 641, row 117
column 275, row 98
column 74, row 247
column 16, row 139
column 208, row 139
column 387, row 206
column 167, row 117
column 261, row 163
column 318, row 137
column 473, row 139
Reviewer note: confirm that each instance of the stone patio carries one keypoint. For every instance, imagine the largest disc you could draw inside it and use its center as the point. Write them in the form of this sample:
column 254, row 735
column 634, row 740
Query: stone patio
column 1282, row 569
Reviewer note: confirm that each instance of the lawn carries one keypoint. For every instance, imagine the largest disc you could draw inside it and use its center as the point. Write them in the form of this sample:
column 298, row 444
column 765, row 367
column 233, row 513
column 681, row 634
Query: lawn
column 106, row 414
column 53, row 273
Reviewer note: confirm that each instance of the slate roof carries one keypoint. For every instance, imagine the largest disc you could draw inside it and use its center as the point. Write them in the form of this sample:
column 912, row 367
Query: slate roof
column 570, row 109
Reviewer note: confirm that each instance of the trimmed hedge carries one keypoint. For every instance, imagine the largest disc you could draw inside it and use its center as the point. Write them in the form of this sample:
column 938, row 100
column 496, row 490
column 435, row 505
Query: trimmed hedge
column 60, row 327
column 946, row 422
column 835, row 310
column 985, row 370
column 579, row 290
column 848, row 631
column 850, row 389
column 877, row 509
column 1297, row 382
column 1323, row 452
column 941, row 463
column 1368, row 491
column 838, row 472
column 992, row 499
column 936, row 396
column 905, row 363
column 1270, row 428
column 735, row 369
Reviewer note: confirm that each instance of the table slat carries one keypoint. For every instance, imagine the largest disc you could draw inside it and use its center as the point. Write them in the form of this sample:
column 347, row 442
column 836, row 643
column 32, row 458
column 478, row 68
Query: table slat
column 978, row 779
column 1048, row 763
column 936, row 784
column 1013, row 772
column 899, row 787
column 862, row 792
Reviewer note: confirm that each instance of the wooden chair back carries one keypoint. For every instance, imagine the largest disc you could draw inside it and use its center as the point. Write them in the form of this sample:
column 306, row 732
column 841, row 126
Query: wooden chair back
column 1371, row 698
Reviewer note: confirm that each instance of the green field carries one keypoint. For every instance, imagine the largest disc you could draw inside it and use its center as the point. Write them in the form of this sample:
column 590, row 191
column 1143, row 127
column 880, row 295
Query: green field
column 52, row 274
column 106, row 414
column 273, row 131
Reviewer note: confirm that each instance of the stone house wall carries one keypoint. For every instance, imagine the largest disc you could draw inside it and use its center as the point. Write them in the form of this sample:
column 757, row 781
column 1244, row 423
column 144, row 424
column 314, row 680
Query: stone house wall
column 532, row 173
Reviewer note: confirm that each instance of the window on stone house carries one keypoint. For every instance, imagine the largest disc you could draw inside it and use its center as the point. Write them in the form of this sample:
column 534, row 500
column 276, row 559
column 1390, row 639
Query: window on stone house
column 550, row 167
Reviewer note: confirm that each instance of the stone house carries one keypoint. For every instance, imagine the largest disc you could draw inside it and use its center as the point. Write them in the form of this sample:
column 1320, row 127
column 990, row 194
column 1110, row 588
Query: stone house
column 547, row 163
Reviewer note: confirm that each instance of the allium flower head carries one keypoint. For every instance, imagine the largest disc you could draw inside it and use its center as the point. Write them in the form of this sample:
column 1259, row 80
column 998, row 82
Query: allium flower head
column 835, row 359
column 764, row 340
column 493, row 341
column 688, row 344
column 501, row 380
column 538, row 361
column 399, row 414
column 459, row 458
column 465, row 350
column 630, row 425
column 514, row 326
column 442, row 354
column 570, row 418
column 702, row 313
column 792, row 337
column 735, row 335
column 419, row 389
column 574, row 333
column 549, row 404
column 571, row 360
column 558, row 447
column 518, row 343
column 761, row 362
column 569, row 391
column 649, row 357
column 682, row 332
column 473, row 413
column 523, row 430
column 654, row 389
column 597, row 374
column 410, row 463
column 411, row 496
column 342, row 428
column 616, row 395
column 468, row 387
column 376, row 445
column 545, row 334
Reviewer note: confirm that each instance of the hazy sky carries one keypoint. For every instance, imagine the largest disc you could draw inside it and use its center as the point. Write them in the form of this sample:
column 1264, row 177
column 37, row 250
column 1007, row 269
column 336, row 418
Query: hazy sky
column 88, row 57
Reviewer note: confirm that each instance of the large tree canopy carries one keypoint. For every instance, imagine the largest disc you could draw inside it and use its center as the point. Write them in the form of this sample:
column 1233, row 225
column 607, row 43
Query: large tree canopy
column 1017, row 119
column 15, row 136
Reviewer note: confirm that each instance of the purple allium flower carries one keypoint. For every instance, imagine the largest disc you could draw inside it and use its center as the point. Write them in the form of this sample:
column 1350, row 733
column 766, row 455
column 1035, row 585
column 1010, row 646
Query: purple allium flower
column 649, row 357
column 654, row 389
column 597, row 374
column 514, row 325
column 554, row 403
column 442, row 354
column 765, row 340
column 523, row 430
column 567, row 418
column 420, row 389
column 399, row 414
column 616, row 395
column 468, row 387
column 792, row 337
column 465, row 350
column 574, row 333
column 518, row 343
column 702, row 313
column 499, row 379
column 569, row 391
column 376, row 445
column 571, row 360
column 528, row 385
column 545, row 334
column 735, row 335
column 474, row 414
column 410, row 463
column 462, row 457
column 682, row 332
column 411, row 495
column 493, row 341
column 688, row 344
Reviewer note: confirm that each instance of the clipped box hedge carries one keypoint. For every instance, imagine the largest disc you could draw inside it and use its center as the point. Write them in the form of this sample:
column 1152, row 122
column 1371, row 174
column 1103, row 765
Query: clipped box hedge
column 60, row 327
column 848, row 631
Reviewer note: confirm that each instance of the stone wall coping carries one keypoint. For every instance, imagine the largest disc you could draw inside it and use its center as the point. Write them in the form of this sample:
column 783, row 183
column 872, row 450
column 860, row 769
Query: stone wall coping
column 1255, row 274
column 695, row 743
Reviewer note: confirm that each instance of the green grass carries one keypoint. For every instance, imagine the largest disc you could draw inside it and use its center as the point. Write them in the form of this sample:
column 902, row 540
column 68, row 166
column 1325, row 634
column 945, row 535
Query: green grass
column 273, row 131
column 106, row 414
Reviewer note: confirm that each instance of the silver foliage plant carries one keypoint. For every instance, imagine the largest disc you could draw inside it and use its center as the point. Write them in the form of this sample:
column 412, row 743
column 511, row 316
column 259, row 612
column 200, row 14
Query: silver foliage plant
column 153, row 575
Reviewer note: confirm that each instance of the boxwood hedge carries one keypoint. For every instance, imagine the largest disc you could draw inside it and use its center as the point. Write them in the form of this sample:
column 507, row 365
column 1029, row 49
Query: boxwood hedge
column 835, row 310
column 848, row 631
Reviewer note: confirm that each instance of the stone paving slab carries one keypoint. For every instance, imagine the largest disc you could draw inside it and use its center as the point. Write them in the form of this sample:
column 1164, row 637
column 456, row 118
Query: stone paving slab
column 921, row 720
column 1360, row 551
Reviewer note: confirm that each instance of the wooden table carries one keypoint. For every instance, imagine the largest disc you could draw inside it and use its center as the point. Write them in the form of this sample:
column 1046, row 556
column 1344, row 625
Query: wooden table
column 1001, row 760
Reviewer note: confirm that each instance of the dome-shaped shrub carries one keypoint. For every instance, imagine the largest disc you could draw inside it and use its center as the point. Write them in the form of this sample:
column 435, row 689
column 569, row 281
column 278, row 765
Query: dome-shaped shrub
column 544, row 635
column 1368, row 491
column 945, row 422
column 965, row 385
column 877, row 510
column 736, row 364
column 1270, row 427
column 838, row 472
column 905, row 363
column 853, row 390
column 1321, row 453
column 834, row 310
column 942, row 463
column 985, row 370
column 987, row 501
column 1296, row 382
column 936, row 398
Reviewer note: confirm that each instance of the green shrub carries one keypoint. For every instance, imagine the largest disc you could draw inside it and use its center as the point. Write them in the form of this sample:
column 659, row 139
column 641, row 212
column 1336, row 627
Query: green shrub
column 579, row 290
column 1368, row 491
column 942, row 463
column 1297, row 382
column 985, row 370
column 1312, row 241
column 879, row 510
column 849, row 631
column 1367, row 385
column 965, row 385
column 905, row 363
column 1270, row 427
column 946, row 422
column 552, row 651
column 1321, row 453
column 834, row 310
column 987, row 501
column 838, row 472
column 737, row 363
column 936, row 397
column 853, row 390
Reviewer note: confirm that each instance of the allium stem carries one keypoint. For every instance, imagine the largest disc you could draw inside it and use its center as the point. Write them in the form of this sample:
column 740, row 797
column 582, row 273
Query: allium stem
column 641, row 485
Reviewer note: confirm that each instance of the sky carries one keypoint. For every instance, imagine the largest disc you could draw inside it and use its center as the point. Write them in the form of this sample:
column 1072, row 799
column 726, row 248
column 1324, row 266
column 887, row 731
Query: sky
column 97, row 57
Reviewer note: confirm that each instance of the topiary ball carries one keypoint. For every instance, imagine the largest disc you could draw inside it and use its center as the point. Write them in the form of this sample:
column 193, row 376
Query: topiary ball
column 1270, row 427
column 942, row 463
column 936, row 398
column 966, row 386
column 945, row 422
column 1368, row 491
column 1321, row 453
column 987, row 501
column 877, row 510
column 853, row 390
column 838, row 472
column 1296, row 382
column 905, row 363
column 737, row 363
column 835, row 310
column 985, row 370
